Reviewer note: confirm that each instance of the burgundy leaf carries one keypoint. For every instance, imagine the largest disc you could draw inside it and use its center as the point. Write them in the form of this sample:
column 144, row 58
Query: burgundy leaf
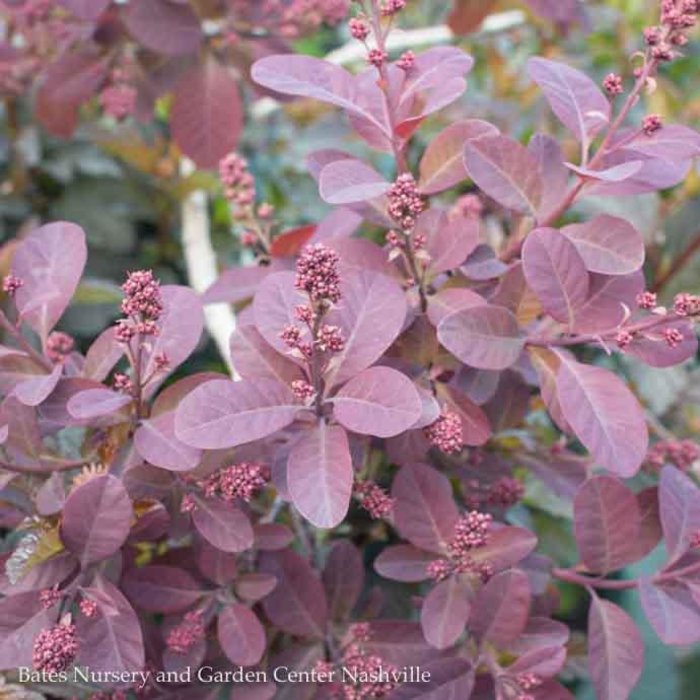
column 254, row 358
column 95, row 403
column 403, row 562
column 379, row 401
column 679, row 507
column 241, row 635
column 445, row 611
column 320, row 474
column 450, row 679
column 254, row 587
column 425, row 512
column 96, row 518
column 442, row 164
column 608, row 245
column 50, row 261
column 219, row 567
column 112, row 640
column 652, row 348
column 672, row 611
column 32, row 392
column 223, row 525
column 162, row 589
column 506, row 547
column 222, row 413
column 506, row 171
column 452, row 299
column 556, row 272
column 485, row 337
column 272, row 536
column 448, row 241
column 371, row 315
column 298, row 604
column 615, row 650
column 103, row 355
column 86, row 9
column 573, row 97
column 604, row 414
column 608, row 296
column 207, row 115
column 22, row 617
column 164, row 27
column 606, row 524
column 554, row 173
column 155, row 441
column 350, row 181
column 501, row 608
column 343, row 578
column 475, row 425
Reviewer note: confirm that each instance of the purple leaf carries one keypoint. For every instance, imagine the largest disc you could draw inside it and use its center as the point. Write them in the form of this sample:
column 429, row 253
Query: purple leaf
column 573, row 97
column 482, row 264
column 544, row 662
column 350, row 181
column 425, row 512
column 96, row 518
column 679, row 507
column 164, row 27
column 95, row 403
column 86, row 9
column 155, row 441
column 485, row 337
column 604, row 308
column 475, row 425
column 506, row 547
column 652, row 348
column 501, row 608
column 206, row 118
column 343, row 578
column 452, row 299
column 50, row 261
column 445, row 611
column 672, row 611
column 179, row 329
column 442, row 164
column 615, row 173
column 219, row 567
column 674, row 142
column 403, row 562
column 111, row 641
column 254, row 587
column 298, row 604
column 556, row 272
column 615, row 650
column 371, row 314
column 379, row 401
column 654, row 174
column 222, row 524
column 236, row 284
column 22, row 617
column 241, row 635
column 450, row 679
column 304, row 76
column 604, row 415
column 540, row 632
column 608, row 245
column 448, row 242
column 103, row 355
column 555, row 176
column 32, row 392
column 254, row 358
column 606, row 524
column 319, row 474
column 272, row 536
column 222, row 413
column 506, row 171
column 161, row 589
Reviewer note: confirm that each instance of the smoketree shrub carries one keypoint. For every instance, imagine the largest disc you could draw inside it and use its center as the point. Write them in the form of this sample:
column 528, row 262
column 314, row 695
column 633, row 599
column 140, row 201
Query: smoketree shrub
column 400, row 405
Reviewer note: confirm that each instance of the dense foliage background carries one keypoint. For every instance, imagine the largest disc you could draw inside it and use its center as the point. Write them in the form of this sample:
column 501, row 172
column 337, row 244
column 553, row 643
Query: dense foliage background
column 129, row 179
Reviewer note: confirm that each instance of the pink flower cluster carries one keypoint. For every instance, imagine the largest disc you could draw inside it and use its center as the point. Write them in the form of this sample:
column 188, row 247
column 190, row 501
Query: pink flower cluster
column 682, row 453
column 241, row 480
column 677, row 17
column 118, row 100
column 651, row 124
column 317, row 273
column 88, row 607
column 291, row 18
column 238, row 181
column 55, row 648
column 142, row 305
column 330, row 339
column 359, row 28
column 405, row 201
column 10, row 284
column 184, row 636
column 391, row 7
column 469, row 206
column 362, row 665
column 303, row 390
column 613, row 84
column 49, row 597
column 374, row 499
column 646, row 300
column 685, row 304
column 505, row 492
column 58, row 346
column 446, row 433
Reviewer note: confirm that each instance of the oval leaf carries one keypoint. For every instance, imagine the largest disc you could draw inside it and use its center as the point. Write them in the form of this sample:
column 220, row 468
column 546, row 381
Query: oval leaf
column 241, row 635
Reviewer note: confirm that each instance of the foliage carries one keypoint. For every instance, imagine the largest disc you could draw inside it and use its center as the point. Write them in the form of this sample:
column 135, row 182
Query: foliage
column 424, row 399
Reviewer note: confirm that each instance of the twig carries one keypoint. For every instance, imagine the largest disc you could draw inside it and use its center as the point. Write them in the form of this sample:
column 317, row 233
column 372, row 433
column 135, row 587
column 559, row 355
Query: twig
column 678, row 263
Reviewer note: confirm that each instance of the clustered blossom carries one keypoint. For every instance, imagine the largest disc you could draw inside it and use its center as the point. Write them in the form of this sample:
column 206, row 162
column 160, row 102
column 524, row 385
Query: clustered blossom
column 241, row 480
column 118, row 100
column 184, row 636
column 238, row 181
column 405, row 201
column 682, row 453
column 505, row 492
column 623, row 338
column 407, row 60
column 290, row 18
column 469, row 206
column 330, row 339
column 377, row 57
column 359, row 28
column 88, row 607
column 10, row 284
column 391, row 7
column 651, row 124
column 677, row 17
column 446, row 433
column 317, row 273
column 188, row 504
column 49, row 597
column 526, row 682
column 613, row 84
column 361, row 665
column 672, row 336
column 123, row 383
column 302, row 390
column 55, row 648
column 58, row 346
column 374, row 499
column 695, row 540
column 685, row 304
column 646, row 300
column 142, row 305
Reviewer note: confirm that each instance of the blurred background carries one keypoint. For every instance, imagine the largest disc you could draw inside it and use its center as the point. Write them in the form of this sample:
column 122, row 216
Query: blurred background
column 126, row 179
